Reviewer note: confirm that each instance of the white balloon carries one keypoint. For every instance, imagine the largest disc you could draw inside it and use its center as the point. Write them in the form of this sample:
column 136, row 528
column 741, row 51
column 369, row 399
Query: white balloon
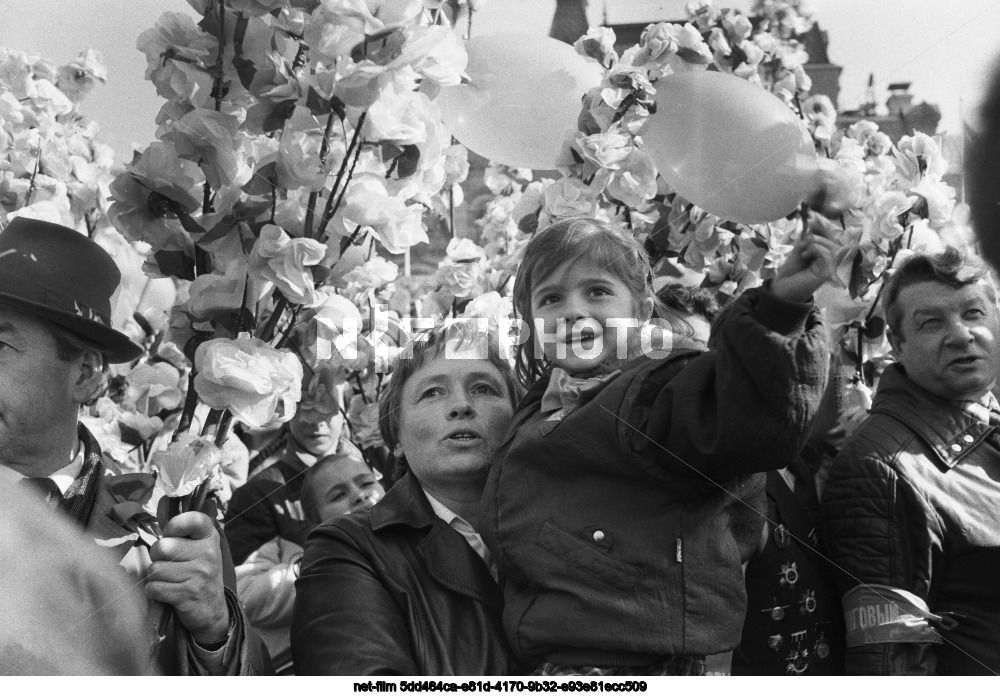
column 525, row 93
column 730, row 147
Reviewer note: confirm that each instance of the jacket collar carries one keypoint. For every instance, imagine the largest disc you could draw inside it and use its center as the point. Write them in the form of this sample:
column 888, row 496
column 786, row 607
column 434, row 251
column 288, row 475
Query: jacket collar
column 404, row 503
column 447, row 556
column 947, row 430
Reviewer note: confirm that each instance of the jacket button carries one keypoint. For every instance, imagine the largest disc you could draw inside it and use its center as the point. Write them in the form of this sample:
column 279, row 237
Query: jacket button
column 956, row 447
column 968, row 438
column 598, row 536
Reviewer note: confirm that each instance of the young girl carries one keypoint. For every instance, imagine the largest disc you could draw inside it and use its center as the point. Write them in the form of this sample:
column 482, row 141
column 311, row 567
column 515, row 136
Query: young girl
column 335, row 486
column 622, row 502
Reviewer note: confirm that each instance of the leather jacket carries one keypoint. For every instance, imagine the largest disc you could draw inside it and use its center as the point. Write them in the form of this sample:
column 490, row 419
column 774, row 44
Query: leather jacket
column 396, row 591
column 913, row 504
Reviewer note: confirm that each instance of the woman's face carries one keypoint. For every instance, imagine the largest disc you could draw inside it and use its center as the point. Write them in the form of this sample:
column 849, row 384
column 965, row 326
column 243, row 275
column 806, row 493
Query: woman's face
column 453, row 413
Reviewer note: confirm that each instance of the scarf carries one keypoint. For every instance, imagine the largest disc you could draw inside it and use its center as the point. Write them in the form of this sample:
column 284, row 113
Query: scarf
column 565, row 393
column 78, row 501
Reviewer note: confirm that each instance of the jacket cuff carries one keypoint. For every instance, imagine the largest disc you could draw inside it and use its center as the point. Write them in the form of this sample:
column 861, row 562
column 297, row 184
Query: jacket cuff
column 227, row 659
column 778, row 314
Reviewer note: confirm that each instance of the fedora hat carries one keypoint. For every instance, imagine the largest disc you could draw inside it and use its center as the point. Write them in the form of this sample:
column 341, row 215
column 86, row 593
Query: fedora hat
column 58, row 274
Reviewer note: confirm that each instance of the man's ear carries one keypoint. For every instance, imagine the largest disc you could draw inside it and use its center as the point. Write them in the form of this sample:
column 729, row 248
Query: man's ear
column 89, row 377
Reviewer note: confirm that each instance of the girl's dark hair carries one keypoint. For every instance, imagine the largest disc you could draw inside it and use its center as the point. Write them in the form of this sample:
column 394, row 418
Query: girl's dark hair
column 566, row 241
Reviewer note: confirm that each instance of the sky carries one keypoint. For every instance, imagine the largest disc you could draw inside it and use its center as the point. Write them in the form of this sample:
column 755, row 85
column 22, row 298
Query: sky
column 943, row 48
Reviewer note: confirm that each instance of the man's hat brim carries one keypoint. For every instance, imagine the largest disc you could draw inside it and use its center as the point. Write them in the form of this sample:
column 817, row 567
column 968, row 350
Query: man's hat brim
column 116, row 346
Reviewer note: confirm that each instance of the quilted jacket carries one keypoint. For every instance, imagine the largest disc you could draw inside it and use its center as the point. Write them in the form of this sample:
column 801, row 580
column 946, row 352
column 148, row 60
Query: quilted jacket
column 913, row 504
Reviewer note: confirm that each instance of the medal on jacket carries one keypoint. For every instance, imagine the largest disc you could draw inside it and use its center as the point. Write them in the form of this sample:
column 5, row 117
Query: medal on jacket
column 789, row 574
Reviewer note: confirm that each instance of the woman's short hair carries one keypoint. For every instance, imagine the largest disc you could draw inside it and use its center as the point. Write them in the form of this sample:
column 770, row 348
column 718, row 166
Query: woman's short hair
column 477, row 334
column 949, row 267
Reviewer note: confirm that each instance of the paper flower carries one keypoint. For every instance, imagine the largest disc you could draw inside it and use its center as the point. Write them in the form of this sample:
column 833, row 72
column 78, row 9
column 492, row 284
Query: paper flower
column 258, row 384
column 435, row 53
column 605, row 149
column 213, row 141
column 323, row 396
column 634, row 184
column 569, row 197
column 329, row 330
column 154, row 387
column 397, row 225
column 215, row 294
column 284, row 261
column 374, row 273
column 176, row 53
column 185, row 464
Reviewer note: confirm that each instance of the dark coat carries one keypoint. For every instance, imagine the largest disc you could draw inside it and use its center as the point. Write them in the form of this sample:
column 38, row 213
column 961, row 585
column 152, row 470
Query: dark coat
column 621, row 529
column 794, row 623
column 913, row 503
column 396, row 591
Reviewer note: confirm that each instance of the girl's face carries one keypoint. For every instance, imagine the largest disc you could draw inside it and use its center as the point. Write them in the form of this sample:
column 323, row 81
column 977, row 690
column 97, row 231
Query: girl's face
column 344, row 488
column 585, row 316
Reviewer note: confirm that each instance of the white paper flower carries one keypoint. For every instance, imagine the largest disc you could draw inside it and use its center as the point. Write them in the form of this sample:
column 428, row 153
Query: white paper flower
column 284, row 261
column 185, row 464
column 153, row 387
column 259, row 384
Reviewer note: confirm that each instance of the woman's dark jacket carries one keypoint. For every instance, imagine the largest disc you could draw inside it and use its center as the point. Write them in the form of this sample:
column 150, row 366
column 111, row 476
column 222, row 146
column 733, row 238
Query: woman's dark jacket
column 396, row 591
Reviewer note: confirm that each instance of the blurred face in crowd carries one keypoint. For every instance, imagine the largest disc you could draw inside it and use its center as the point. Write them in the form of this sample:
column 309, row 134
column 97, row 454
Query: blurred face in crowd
column 342, row 486
column 948, row 338
column 318, row 435
column 454, row 411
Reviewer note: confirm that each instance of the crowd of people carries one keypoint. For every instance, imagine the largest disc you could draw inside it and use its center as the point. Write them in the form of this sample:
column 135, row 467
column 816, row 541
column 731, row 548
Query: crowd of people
column 591, row 505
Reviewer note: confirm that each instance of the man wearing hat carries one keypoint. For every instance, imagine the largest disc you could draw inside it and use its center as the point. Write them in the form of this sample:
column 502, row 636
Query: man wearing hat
column 56, row 342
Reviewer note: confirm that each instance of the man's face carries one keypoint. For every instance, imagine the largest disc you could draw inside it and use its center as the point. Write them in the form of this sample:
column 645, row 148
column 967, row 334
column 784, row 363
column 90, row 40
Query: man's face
column 948, row 344
column 39, row 396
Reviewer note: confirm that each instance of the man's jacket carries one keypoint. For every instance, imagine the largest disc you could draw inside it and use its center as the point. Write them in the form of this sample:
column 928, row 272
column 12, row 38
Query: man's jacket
column 911, row 516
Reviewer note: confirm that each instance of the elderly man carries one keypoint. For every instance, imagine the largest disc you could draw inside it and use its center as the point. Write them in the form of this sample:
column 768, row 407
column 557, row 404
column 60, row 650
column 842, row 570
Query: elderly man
column 55, row 343
column 911, row 510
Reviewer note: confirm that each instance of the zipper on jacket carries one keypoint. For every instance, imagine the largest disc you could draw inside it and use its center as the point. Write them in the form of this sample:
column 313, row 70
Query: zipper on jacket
column 680, row 551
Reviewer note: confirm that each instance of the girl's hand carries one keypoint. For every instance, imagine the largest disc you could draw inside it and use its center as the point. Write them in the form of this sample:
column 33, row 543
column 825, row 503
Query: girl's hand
column 808, row 266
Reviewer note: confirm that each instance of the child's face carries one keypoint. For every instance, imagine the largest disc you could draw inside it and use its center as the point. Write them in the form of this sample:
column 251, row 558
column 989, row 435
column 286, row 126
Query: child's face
column 343, row 488
column 586, row 314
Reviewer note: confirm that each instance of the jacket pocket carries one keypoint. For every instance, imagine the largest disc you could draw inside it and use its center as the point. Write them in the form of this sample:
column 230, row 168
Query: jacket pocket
column 579, row 561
